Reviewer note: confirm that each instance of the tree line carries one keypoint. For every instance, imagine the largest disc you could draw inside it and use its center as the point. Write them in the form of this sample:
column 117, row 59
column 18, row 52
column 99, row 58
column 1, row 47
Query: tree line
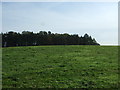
column 27, row 38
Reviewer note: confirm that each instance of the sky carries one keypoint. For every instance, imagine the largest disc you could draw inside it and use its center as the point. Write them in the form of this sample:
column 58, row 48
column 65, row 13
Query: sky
column 98, row 19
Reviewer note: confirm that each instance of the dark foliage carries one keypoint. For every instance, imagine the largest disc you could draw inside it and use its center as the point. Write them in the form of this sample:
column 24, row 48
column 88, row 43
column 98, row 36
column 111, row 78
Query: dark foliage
column 27, row 38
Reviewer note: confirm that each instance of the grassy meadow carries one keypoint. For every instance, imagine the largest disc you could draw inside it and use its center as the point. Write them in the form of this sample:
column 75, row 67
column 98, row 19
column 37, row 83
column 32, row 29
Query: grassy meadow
column 70, row 66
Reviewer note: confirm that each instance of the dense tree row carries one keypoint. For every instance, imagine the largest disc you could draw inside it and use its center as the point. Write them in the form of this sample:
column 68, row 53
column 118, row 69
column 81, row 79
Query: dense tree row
column 27, row 38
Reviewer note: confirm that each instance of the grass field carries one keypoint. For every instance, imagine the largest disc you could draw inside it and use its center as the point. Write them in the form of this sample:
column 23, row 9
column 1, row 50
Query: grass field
column 60, row 67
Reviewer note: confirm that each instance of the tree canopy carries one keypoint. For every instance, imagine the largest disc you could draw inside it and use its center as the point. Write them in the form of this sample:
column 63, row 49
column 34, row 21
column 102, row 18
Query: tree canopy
column 27, row 38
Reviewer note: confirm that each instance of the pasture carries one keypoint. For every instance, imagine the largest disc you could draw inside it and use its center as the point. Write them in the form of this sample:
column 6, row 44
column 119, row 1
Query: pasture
column 65, row 66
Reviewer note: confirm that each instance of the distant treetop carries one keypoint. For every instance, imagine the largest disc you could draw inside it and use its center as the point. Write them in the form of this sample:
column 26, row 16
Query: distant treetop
column 27, row 38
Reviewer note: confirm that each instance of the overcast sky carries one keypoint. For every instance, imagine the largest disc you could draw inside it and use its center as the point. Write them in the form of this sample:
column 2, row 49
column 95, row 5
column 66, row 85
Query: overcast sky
column 98, row 19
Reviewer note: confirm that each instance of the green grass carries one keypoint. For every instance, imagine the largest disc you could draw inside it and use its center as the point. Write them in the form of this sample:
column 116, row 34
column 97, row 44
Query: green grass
column 60, row 67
